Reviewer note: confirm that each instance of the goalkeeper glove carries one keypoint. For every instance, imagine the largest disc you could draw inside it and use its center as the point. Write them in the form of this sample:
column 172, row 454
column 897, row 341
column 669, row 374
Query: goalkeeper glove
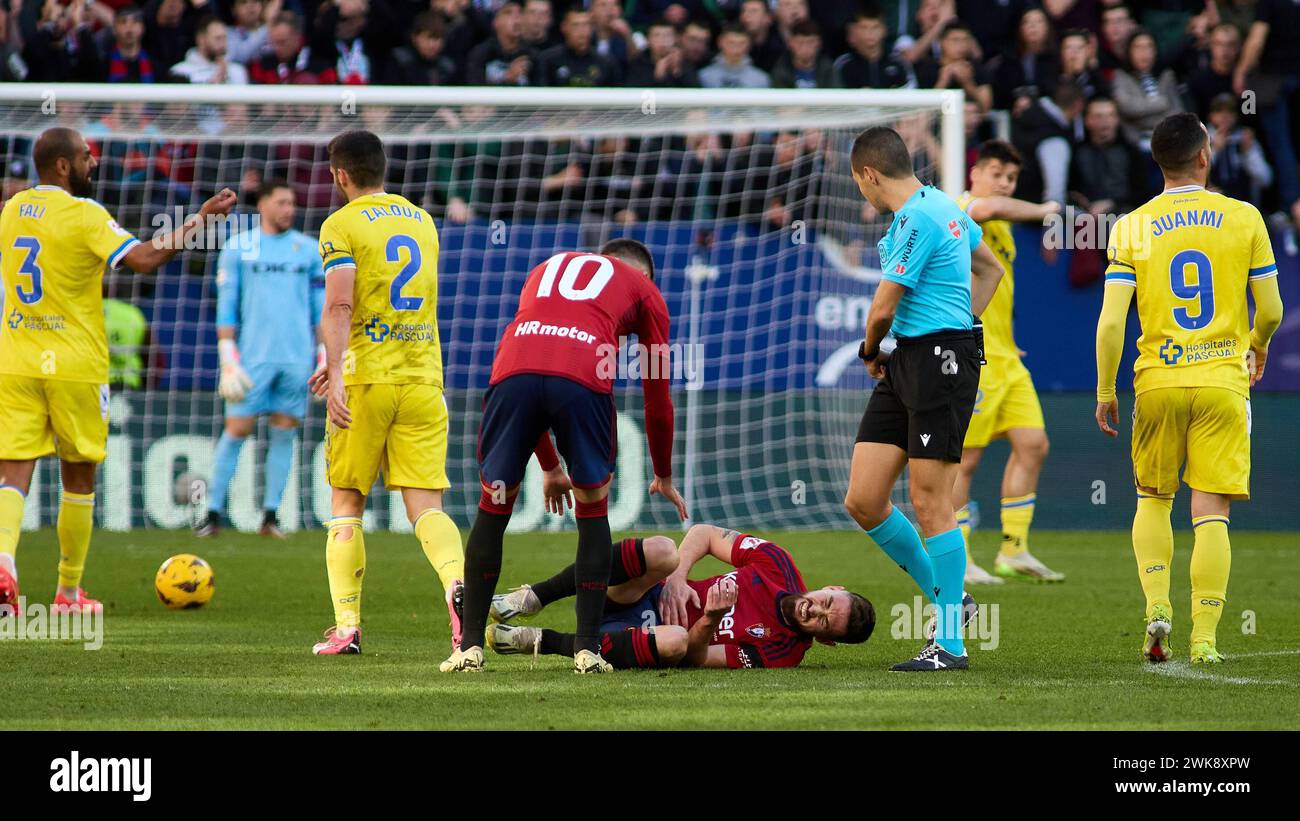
column 235, row 382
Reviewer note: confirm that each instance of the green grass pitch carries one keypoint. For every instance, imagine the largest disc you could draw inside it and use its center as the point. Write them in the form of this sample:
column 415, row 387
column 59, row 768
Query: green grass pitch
column 1068, row 655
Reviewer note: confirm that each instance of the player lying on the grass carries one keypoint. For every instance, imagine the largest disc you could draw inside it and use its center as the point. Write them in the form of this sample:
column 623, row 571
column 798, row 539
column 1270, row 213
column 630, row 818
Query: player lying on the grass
column 1188, row 256
column 759, row 615
column 1006, row 405
column 56, row 243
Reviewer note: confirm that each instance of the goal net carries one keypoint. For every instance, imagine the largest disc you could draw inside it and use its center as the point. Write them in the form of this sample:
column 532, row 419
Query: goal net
column 766, row 255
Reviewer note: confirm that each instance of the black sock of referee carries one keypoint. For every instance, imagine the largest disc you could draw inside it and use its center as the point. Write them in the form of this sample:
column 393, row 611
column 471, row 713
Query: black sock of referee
column 627, row 562
column 482, row 567
column 591, row 572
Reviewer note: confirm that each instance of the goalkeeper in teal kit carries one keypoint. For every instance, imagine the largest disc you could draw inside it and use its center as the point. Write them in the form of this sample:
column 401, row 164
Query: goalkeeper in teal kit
column 270, row 291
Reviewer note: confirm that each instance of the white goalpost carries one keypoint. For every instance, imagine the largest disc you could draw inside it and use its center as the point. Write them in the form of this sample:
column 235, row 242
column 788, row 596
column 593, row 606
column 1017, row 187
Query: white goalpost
column 765, row 250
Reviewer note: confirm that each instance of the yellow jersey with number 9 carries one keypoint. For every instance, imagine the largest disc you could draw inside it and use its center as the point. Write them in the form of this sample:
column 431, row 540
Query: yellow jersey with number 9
column 54, row 250
column 1190, row 254
column 999, row 342
column 394, row 246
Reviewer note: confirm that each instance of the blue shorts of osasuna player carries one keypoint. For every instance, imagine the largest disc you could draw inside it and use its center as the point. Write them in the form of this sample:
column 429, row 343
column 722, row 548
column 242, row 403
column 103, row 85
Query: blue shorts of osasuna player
column 277, row 388
column 644, row 612
column 519, row 408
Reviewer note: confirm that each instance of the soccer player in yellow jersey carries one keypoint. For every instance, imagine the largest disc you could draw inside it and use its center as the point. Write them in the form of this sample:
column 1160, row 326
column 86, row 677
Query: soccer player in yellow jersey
column 55, row 245
column 1189, row 255
column 1007, row 404
column 382, row 380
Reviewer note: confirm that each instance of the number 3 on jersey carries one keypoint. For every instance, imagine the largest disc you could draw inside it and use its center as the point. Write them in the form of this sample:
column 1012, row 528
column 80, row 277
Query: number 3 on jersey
column 393, row 253
column 29, row 268
column 1201, row 290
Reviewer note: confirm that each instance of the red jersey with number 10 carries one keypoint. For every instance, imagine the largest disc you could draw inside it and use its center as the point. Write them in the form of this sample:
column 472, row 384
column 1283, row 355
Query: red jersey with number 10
column 574, row 311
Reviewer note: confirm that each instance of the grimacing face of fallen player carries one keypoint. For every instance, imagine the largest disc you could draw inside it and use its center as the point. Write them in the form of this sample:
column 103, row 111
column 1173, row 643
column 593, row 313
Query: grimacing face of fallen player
column 822, row 614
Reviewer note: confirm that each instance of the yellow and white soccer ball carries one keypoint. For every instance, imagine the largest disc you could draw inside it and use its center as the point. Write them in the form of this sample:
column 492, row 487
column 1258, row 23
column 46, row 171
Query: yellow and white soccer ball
column 184, row 581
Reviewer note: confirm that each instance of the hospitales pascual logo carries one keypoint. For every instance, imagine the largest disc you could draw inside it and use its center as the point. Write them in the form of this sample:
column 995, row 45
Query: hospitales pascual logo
column 125, row 775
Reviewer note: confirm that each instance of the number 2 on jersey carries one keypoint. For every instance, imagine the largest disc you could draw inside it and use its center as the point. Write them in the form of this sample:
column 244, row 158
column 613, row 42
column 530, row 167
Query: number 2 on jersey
column 29, row 269
column 393, row 253
column 1202, row 290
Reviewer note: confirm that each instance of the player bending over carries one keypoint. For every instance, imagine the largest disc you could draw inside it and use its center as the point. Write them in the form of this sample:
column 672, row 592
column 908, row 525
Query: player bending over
column 1189, row 256
column 55, row 246
column 1007, row 405
column 759, row 615
column 552, row 373
column 382, row 379
column 268, row 305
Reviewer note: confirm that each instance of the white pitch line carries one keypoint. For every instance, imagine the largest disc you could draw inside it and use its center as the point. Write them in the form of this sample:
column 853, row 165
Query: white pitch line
column 1183, row 670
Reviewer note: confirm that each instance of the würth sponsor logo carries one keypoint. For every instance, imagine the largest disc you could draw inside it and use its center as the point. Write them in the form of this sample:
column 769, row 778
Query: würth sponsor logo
column 124, row 775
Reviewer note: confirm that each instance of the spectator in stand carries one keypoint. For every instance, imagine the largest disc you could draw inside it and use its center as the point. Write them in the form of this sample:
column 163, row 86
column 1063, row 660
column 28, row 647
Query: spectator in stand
column 208, row 61
column 169, row 30
column 62, row 48
column 832, row 17
column 355, row 36
column 1079, row 63
column 1271, row 48
column 1240, row 169
column 1107, row 173
column 956, row 67
column 1145, row 95
column 466, row 28
column 1073, row 14
column 697, row 45
column 288, row 61
column 662, row 64
column 1176, row 23
column 767, row 46
column 1239, row 13
column 612, row 35
column 1215, row 78
column 1117, row 25
column 791, row 177
column 869, row 64
column 804, row 65
column 733, row 68
column 931, row 17
column 537, row 24
column 424, row 61
column 993, row 23
column 677, row 12
column 503, row 60
column 1045, row 133
column 790, row 13
column 1031, row 70
column 17, row 177
column 573, row 63
column 246, row 39
column 125, row 60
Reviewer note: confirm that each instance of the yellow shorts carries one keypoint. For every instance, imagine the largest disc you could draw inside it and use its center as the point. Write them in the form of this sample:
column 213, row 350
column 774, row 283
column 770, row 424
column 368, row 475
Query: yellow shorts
column 399, row 429
column 1006, row 400
column 1207, row 428
column 43, row 416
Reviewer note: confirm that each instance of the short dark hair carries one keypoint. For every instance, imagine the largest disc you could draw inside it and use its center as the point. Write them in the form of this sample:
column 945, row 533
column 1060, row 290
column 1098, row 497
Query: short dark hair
column 868, row 13
column 1084, row 33
column 631, row 251
column 1224, row 102
column 431, row 23
column 205, row 22
column 862, row 621
column 735, row 28
column 54, row 144
column 955, row 25
column 361, row 154
column 1067, row 93
column 805, row 28
column 881, row 148
column 1176, row 141
column 1000, row 150
column 270, row 186
column 129, row 10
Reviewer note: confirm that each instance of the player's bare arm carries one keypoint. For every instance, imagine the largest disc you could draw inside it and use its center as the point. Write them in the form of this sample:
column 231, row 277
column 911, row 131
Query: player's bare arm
column 1110, row 344
column 1011, row 209
column 717, row 602
column 700, row 541
column 335, row 323
column 147, row 257
column 1268, row 318
column 879, row 320
column 986, row 272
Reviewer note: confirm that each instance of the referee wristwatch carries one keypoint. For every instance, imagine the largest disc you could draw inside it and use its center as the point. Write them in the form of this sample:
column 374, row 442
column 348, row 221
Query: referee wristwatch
column 867, row 355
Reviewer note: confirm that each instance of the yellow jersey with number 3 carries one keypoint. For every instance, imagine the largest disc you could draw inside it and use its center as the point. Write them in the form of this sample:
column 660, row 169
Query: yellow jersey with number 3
column 999, row 341
column 394, row 246
column 54, row 250
column 1190, row 254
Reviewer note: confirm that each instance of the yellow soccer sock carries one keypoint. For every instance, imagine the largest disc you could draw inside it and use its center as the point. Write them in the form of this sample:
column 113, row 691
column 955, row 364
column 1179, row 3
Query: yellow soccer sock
column 963, row 522
column 1017, row 515
column 345, row 557
column 1153, row 544
column 1211, row 562
column 441, row 542
column 11, row 521
column 76, row 520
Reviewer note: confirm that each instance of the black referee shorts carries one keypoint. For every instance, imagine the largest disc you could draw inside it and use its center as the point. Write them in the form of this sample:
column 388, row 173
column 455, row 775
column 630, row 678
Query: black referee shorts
column 924, row 403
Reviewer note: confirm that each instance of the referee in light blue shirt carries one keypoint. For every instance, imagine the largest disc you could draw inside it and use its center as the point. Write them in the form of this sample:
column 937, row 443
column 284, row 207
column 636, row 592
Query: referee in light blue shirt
column 936, row 276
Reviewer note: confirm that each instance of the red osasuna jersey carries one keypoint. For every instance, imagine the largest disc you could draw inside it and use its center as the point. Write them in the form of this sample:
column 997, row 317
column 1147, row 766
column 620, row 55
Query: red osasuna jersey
column 754, row 632
column 574, row 311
